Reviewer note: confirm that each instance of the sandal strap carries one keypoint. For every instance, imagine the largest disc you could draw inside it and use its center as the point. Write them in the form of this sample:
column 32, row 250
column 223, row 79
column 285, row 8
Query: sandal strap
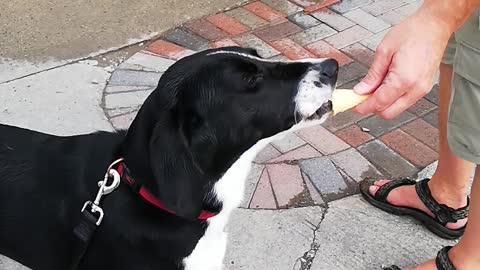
column 443, row 213
column 382, row 193
column 393, row 267
column 443, row 261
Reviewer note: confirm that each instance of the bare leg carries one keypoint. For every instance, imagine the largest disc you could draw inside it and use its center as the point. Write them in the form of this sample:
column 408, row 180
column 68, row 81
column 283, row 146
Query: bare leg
column 449, row 184
column 466, row 254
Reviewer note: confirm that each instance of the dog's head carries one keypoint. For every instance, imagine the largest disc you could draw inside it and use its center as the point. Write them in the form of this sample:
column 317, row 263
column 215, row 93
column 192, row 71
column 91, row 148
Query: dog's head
column 211, row 107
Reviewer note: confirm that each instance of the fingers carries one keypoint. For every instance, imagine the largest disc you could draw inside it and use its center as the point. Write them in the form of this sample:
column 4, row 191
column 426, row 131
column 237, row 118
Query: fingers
column 402, row 104
column 391, row 89
column 376, row 73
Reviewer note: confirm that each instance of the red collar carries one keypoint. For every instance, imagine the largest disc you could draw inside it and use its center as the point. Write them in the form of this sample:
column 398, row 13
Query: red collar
column 149, row 197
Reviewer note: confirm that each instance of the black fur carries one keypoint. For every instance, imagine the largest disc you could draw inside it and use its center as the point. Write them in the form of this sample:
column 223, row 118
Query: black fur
column 205, row 112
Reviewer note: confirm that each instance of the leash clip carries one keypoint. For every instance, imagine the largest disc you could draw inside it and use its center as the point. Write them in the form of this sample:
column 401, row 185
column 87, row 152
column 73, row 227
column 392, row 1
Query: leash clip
column 105, row 189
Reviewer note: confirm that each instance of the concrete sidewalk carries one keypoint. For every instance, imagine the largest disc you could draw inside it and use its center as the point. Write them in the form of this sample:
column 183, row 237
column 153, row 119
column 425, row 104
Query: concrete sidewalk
column 301, row 208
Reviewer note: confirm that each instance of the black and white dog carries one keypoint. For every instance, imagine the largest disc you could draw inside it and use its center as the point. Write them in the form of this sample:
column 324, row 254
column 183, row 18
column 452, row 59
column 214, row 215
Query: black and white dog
column 187, row 152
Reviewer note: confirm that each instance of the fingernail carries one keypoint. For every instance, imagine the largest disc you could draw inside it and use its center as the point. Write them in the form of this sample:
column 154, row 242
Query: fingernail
column 362, row 88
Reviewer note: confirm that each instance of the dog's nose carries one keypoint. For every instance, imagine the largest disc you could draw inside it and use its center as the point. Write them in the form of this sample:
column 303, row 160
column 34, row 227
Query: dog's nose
column 328, row 71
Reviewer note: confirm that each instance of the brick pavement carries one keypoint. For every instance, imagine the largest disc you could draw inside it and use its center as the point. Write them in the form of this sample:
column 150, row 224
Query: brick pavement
column 322, row 163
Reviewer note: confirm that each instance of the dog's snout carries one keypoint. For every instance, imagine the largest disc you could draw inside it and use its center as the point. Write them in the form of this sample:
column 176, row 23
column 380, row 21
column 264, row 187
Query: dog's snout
column 329, row 68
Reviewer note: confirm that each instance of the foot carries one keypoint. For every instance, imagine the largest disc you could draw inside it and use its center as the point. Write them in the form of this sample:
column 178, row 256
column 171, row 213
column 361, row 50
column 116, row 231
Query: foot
column 406, row 196
column 457, row 256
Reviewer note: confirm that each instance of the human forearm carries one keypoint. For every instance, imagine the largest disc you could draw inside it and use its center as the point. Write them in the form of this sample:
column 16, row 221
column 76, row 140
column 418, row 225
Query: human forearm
column 451, row 14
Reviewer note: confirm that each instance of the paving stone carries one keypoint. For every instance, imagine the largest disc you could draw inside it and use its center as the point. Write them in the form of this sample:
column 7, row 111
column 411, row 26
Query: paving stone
column 409, row 9
column 267, row 153
column 168, row 50
column 206, row 30
column 366, row 20
column 314, row 194
column 303, row 152
column 303, row 20
column 333, row 19
column 424, row 132
column 422, row 107
column 355, row 165
column 393, row 17
column 325, row 50
column 432, row 96
column 320, row 5
column 186, row 39
column 348, row 37
column 351, row 72
column 304, row 3
column 264, row 11
column 322, row 140
column 313, row 34
column 120, row 88
column 123, row 121
column 126, row 99
column 284, row 6
column 228, row 24
column 351, row 84
column 291, row 49
column 373, row 41
column 390, row 164
column 432, row 118
column 278, row 31
column 226, row 42
column 263, row 197
column 287, row 183
column 251, row 183
column 347, row 5
column 134, row 78
column 325, row 177
column 146, row 62
column 408, row 147
column 354, row 135
column 246, row 17
column 379, row 7
column 289, row 142
column 379, row 126
column 251, row 41
column 279, row 58
column 360, row 53
column 343, row 120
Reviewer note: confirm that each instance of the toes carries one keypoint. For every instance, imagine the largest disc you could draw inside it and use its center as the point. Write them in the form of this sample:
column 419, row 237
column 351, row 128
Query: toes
column 381, row 182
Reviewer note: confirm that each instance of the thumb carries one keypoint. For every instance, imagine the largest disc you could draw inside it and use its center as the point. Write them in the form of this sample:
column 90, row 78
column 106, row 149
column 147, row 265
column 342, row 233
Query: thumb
column 376, row 73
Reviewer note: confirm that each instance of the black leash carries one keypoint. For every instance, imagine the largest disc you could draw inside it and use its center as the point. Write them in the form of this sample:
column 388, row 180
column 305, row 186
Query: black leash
column 92, row 217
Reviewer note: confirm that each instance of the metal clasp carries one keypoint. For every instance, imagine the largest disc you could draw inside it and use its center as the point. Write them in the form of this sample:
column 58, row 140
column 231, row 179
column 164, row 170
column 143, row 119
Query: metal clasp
column 105, row 189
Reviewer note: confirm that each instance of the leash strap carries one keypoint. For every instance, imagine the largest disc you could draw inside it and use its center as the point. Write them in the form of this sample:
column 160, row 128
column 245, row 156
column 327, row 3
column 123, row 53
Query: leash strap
column 83, row 233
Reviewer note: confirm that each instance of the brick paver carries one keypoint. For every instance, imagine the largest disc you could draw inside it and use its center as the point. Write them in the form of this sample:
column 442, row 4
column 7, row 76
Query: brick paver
column 228, row 24
column 408, row 147
column 318, row 164
column 263, row 197
column 287, row 182
column 423, row 131
column 348, row 36
column 264, row 11
column 278, row 31
column 206, row 30
column 324, row 50
column 291, row 49
column 354, row 135
column 366, row 20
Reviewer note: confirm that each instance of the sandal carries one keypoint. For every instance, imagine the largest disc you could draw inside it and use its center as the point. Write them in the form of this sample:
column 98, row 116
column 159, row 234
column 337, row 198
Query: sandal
column 442, row 261
column 443, row 214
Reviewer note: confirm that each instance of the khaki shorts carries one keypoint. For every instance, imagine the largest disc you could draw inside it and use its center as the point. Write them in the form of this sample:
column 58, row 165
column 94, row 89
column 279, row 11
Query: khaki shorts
column 463, row 52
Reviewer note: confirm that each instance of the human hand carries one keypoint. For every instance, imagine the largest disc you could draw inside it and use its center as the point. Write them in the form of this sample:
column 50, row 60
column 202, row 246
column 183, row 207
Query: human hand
column 404, row 67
